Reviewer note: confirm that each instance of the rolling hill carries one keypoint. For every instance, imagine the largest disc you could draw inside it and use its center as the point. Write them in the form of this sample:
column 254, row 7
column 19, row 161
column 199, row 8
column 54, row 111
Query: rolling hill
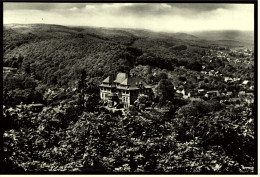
column 244, row 37
column 56, row 54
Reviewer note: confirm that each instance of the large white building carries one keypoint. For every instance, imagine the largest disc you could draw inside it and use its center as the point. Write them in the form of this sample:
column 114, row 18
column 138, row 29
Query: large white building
column 123, row 89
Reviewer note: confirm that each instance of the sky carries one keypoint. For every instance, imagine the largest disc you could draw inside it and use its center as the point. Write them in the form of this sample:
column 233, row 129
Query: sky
column 168, row 17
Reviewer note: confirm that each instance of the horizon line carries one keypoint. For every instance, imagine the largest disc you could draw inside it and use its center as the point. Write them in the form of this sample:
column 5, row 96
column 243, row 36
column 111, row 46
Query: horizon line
column 158, row 31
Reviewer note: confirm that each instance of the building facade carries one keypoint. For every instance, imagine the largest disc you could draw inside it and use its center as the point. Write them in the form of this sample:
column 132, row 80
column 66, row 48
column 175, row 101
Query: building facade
column 123, row 90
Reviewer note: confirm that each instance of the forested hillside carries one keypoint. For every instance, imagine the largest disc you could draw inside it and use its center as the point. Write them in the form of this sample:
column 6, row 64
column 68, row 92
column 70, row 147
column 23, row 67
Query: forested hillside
column 201, row 118
column 57, row 54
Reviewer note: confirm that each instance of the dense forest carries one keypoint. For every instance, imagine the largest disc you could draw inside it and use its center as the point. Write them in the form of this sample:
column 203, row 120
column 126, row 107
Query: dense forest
column 61, row 68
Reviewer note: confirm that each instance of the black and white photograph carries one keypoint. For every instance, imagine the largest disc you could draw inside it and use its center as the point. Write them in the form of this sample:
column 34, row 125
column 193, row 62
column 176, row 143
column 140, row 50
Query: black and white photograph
column 129, row 87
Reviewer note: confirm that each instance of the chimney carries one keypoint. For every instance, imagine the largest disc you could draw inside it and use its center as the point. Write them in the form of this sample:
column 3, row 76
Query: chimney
column 114, row 76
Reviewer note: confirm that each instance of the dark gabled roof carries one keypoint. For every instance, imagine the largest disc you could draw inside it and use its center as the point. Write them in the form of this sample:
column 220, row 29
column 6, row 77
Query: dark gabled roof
column 108, row 82
column 134, row 83
column 109, row 79
column 126, row 83
column 104, row 85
